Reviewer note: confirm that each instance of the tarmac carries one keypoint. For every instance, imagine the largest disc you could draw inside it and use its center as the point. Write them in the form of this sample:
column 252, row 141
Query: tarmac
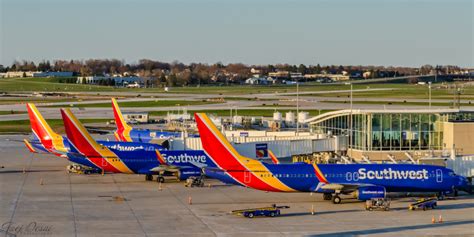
column 39, row 198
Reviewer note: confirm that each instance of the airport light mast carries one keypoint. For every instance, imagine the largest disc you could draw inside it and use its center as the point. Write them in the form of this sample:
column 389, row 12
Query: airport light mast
column 297, row 107
column 429, row 88
column 350, row 117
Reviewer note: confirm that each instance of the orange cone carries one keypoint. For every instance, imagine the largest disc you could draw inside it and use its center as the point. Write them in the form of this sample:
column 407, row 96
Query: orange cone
column 440, row 219
column 190, row 200
column 433, row 220
column 312, row 209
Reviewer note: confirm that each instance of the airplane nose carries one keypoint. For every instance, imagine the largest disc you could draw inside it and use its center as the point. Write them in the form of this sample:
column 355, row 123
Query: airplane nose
column 464, row 184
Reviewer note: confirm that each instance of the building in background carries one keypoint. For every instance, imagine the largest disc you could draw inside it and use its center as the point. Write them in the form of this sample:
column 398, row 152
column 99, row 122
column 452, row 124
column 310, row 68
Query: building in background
column 377, row 134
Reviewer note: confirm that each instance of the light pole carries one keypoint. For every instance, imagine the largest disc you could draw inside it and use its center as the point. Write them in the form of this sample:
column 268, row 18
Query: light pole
column 429, row 88
column 350, row 120
column 297, row 106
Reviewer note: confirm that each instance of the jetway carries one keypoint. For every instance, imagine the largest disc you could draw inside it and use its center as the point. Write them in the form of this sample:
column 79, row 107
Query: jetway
column 282, row 147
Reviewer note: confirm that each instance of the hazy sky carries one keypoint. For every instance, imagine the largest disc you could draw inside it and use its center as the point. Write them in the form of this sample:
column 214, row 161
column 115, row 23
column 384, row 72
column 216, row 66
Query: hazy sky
column 357, row 32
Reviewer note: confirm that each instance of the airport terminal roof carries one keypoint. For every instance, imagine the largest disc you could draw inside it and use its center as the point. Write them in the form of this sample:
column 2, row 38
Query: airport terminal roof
column 345, row 112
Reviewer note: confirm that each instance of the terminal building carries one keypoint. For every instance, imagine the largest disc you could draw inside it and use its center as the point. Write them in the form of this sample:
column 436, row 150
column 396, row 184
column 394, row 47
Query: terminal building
column 379, row 135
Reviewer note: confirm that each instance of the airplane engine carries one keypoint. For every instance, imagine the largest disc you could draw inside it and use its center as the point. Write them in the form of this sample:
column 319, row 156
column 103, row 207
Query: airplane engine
column 369, row 192
column 184, row 174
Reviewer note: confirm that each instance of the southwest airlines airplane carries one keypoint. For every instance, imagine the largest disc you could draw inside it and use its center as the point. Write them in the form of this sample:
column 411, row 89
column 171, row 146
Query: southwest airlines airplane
column 125, row 133
column 365, row 180
column 45, row 140
column 181, row 163
column 149, row 160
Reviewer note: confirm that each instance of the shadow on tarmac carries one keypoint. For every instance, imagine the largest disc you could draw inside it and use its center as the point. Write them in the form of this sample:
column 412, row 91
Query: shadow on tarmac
column 396, row 229
column 27, row 171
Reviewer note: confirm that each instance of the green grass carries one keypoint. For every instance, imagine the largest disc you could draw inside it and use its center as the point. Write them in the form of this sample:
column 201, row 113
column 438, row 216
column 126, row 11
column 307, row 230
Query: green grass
column 7, row 112
column 155, row 103
column 394, row 103
column 23, row 126
column 243, row 112
column 397, row 90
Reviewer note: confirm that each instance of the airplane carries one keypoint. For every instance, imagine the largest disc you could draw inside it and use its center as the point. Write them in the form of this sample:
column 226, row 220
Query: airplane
column 126, row 133
column 45, row 140
column 149, row 162
column 366, row 181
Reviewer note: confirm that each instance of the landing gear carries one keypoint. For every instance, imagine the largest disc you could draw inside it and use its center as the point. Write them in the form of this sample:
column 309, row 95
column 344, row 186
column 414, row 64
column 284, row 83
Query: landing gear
column 440, row 196
column 327, row 196
column 336, row 199
column 148, row 177
column 160, row 179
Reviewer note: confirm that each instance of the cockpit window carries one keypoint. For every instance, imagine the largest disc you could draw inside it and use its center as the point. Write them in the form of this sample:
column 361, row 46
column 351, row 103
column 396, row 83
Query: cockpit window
column 452, row 174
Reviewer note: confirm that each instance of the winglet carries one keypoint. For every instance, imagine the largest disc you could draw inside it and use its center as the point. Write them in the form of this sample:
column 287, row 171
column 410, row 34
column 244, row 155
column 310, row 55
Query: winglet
column 41, row 129
column 273, row 157
column 29, row 146
column 123, row 129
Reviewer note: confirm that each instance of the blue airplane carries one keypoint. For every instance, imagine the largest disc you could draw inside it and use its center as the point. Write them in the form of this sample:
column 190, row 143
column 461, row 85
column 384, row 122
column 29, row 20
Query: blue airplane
column 180, row 163
column 366, row 181
column 125, row 133
column 147, row 160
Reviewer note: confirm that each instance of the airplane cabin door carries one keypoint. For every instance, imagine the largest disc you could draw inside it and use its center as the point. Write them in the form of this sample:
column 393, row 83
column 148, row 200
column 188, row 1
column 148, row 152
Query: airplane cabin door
column 104, row 162
column 439, row 176
column 247, row 177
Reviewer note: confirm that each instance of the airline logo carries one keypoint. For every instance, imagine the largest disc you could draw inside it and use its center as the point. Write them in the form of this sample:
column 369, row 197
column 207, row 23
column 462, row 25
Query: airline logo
column 131, row 148
column 184, row 158
column 392, row 174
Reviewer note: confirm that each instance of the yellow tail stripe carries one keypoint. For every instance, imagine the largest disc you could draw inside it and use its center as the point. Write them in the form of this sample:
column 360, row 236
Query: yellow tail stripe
column 250, row 164
column 107, row 154
column 56, row 139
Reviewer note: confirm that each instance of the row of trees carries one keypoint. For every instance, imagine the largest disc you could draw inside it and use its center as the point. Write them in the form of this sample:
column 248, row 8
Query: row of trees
column 176, row 73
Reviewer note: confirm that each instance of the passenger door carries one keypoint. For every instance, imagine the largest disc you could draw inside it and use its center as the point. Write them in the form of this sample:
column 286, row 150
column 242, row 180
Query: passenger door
column 439, row 176
column 247, row 177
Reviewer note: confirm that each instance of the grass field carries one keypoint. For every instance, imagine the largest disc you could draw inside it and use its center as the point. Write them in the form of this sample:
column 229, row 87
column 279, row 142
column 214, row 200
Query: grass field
column 397, row 90
column 395, row 103
column 23, row 126
column 11, row 112
column 155, row 103
column 244, row 112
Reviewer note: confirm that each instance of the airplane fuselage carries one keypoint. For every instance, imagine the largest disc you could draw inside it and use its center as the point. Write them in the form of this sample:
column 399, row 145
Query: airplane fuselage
column 311, row 178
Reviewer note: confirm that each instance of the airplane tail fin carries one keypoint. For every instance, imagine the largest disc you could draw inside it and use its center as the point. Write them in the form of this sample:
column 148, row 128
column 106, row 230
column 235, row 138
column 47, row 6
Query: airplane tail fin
column 123, row 129
column 81, row 141
column 41, row 129
column 216, row 145
column 273, row 157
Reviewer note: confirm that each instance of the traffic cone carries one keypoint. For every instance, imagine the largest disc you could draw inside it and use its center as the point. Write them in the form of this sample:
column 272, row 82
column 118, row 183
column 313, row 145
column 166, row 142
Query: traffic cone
column 102, row 173
column 190, row 200
column 312, row 209
column 440, row 219
column 41, row 181
column 433, row 220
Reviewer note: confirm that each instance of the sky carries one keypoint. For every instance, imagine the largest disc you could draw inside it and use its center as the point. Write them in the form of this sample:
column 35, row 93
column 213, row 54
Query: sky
column 339, row 32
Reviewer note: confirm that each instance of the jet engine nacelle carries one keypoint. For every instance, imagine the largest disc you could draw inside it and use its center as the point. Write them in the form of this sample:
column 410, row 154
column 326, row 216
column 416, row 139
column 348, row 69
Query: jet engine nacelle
column 184, row 174
column 369, row 192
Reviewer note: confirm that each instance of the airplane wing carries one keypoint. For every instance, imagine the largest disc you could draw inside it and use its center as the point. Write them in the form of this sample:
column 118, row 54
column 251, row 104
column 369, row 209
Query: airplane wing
column 98, row 130
column 341, row 187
